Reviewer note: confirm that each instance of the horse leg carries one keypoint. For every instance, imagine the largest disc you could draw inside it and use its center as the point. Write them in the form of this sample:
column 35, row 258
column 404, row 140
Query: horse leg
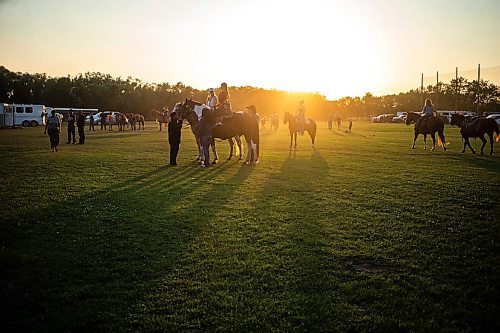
column 442, row 138
column 491, row 143
column 238, row 142
column 484, row 143
column 433, row 136
column 216, row 157
column 468, row 143
column 414, row 140
column 291, row 139
column 231, row 147
column 295, row 137
column 425, row 141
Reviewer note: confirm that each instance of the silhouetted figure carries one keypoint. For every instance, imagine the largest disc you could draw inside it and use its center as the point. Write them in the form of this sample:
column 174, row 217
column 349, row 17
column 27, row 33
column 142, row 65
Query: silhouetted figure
column 71, row 128
column 330, row 121
column 174, row 136
column 301, row 116
column 80, row 123
column 91, row 122
column 53, row 127
column 350, row 124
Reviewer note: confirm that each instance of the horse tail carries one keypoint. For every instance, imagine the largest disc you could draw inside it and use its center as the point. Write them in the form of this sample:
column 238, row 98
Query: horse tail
column 314, row 128
column 497, row 131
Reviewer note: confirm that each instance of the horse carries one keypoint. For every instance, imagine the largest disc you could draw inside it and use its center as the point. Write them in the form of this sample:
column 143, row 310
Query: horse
column 161, row 117
column 275, row 121
column 430, row 126
column 476, row 128
column 122, row 121
column 131, row 120
column 293, row 127
column 232, row 125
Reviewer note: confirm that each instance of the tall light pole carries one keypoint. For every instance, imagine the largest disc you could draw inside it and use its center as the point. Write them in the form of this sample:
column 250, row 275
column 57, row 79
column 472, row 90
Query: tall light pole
column 456, row 88
column 437, row 90
column 478, row 87
column 422, row 91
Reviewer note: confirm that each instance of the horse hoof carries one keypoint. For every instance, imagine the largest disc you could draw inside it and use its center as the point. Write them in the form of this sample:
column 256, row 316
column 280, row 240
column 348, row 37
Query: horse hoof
column 214, row 162
column 229, row 158
column 433, row 149
column 463, row 151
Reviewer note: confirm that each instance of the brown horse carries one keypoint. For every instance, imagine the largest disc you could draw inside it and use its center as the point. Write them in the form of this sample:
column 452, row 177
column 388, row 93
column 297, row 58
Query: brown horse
column 161, row 117
column 293, row 127
column 135, row 118
column 430, row 126
column 474, row 127
column 275, row 121
column 122, row 121
column 233, row 125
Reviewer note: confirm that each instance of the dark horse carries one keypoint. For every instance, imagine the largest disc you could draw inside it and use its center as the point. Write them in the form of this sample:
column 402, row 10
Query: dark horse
column 430, row 126
column 232, row 125
column 473, row 127
column 293, row 127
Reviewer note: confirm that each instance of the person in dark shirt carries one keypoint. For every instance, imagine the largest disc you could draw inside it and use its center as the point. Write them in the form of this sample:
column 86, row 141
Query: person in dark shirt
column 80, row 123
column 205, row 134
column 71, row 128
column 91, row 122
column 174, row 136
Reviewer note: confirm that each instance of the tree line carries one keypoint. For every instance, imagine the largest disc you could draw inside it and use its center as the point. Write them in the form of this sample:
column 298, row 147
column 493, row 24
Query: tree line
column 102, row 91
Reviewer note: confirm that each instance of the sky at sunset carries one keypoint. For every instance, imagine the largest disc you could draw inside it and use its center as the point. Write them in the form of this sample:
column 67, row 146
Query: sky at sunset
column 337, row 48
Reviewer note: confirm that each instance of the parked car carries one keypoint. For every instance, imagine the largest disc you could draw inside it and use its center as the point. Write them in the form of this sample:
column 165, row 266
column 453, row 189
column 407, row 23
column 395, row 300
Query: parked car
column 495, row 116
column 399, row 119
column 97, row 117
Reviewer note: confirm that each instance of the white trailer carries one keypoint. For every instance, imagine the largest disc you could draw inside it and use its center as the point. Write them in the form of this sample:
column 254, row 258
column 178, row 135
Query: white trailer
column 22, row 114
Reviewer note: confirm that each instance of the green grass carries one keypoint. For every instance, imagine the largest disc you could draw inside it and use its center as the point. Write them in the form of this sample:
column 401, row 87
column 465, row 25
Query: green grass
column 359, row 234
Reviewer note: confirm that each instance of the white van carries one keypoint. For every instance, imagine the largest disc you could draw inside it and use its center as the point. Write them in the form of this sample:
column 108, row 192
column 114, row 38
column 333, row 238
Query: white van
column 22, row 114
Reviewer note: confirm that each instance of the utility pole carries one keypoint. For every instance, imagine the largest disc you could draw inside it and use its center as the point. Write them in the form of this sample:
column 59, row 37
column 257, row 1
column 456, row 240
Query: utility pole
column 478, row 87
column 456, row 88
column 437, row 90
column 422, row 91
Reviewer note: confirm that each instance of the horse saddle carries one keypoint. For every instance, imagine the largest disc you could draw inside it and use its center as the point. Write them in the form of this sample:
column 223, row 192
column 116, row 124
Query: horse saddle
column 470, row 122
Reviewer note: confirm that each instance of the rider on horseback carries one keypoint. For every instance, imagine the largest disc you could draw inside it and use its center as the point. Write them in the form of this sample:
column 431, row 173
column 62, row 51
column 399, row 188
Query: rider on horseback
column 212, row 100
column 427, row 112
column 224, row 105
column 301, row 116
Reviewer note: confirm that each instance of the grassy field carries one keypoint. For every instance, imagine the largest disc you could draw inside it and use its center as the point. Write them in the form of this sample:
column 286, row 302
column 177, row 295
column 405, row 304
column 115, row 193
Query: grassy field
column 359, row 234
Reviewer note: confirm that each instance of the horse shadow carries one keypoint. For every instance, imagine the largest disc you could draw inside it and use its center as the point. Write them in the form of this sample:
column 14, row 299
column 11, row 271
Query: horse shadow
column 103, row 251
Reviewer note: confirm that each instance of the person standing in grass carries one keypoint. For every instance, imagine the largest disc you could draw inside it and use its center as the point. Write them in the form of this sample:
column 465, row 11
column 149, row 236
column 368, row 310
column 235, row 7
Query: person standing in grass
column 53, row 127
column 205, row 134
column 80, row 123
column 102, row 119
column 91, row 122
column 350, row 124
column 71, row 128
column 330, row 120
column 174, row 136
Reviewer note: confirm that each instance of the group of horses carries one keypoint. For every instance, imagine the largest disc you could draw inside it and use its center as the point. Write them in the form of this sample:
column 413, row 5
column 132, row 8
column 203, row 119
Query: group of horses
column 470, row 127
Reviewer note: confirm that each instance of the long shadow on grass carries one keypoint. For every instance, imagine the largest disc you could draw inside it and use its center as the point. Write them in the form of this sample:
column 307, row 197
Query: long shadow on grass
column 80, row 265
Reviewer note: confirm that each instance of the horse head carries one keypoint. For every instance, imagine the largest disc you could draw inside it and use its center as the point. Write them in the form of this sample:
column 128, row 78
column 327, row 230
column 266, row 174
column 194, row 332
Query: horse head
column 411, row 117
column 457, row 120
column 286, row 117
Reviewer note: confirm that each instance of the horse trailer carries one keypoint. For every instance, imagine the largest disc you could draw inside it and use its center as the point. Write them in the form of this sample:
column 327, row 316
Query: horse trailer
column 22, row 115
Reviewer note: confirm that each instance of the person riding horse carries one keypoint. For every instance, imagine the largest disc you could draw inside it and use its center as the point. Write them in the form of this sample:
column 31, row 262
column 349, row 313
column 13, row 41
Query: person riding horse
column 427, row 112
column 224, row 105
column 301, row 116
